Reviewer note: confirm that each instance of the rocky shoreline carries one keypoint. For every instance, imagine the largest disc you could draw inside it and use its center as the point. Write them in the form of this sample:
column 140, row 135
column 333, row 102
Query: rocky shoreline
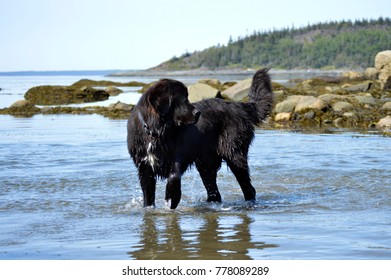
column 352, row 100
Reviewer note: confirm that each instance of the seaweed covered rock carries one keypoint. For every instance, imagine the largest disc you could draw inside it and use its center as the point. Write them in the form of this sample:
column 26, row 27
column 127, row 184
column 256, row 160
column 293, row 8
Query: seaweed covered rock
column 22, row 108
column 59, row 95
column 104, row 83
column 113, row 91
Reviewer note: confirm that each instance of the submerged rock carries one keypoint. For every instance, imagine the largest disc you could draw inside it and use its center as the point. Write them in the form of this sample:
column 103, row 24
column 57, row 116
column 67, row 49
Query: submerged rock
column 113, row 91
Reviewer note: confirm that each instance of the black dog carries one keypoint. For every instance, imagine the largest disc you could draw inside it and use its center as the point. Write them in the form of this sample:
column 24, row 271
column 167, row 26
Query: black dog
column 167, row 134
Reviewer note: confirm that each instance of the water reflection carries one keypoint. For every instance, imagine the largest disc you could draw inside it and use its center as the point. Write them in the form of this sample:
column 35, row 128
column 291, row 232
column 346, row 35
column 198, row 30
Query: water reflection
column 202, row 236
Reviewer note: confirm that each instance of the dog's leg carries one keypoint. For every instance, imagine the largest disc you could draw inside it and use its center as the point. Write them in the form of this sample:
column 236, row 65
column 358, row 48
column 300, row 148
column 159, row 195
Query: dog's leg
column 148, row 184
column 173, row 187
column 208, row 172
column 243, row 177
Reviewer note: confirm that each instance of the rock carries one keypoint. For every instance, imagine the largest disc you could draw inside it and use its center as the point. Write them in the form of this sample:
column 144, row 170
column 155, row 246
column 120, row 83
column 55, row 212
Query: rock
column 288, row 105
column 310, row 102
column 211, row 82
column 382, row 59
column 371, row 73
column 366, row 100
column 239, row 91
column 309, row 115
column 386, row 106
column 145, row 87
column 282, row 117
column 23, row 108
column 383, row 64
column 58, row 95
column 92, row 83
column 198, row 92
column 22, row 103
column 342, row 106
column 328, row 97
column 384, row 123
column 349, row 115
column 361, row 87
column 227, row 85
column 113, row 91
column 385, row 83
column 352, row 75
column 120, row 106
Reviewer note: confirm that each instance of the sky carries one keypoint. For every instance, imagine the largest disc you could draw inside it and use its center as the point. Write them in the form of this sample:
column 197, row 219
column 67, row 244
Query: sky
column 53, row 35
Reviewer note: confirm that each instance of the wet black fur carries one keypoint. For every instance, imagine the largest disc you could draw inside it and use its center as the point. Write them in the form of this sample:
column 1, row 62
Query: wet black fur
column 167, row 134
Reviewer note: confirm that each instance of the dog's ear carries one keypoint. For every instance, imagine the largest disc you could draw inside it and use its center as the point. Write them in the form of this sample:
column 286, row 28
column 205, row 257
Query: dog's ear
column 160, row 103
column 159, row 98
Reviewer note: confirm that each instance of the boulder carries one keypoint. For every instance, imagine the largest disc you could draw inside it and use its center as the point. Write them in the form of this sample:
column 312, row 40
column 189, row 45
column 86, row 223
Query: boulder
column 382, row 59
column 361, row 87
column 352, row 75
column 342, row 106
column 282, row 117
column 385, row 79
column 383, row 64
column 288, row 105
column 239, row 91
column 113, row 91
column 384, row 123
column 21, row 104
column 365, row 100
column 58, row 95
column 310, row 103
column 371, row 73
column 23, row 108
column 120, row 106
column 328, row 97
column 198, row 92
column 386, row 106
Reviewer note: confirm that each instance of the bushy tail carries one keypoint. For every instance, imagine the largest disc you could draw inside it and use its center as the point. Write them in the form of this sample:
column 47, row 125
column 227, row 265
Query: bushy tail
column 261, row 94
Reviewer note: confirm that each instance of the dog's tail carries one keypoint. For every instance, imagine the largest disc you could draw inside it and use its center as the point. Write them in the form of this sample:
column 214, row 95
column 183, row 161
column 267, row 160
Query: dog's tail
column 261, row 94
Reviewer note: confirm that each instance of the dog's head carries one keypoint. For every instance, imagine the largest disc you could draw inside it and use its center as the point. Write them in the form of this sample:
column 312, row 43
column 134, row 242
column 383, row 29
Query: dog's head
column 169, row 98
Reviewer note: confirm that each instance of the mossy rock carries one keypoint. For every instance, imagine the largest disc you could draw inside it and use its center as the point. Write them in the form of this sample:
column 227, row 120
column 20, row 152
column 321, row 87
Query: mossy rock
column 21, row 108
column 59, row 95
column 92, row 83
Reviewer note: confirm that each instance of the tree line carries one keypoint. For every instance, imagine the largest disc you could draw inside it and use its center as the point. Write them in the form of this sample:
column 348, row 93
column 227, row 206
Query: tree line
column 336, row 44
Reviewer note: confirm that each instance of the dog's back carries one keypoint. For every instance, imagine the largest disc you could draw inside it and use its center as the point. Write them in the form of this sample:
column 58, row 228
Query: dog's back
column 232, row 123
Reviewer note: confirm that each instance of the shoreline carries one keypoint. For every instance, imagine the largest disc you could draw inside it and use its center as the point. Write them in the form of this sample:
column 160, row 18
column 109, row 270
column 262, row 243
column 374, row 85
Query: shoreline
column 220, row 72
column 152, row 72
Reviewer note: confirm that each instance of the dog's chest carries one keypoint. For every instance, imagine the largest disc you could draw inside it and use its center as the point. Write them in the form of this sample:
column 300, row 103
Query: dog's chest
column 150, row 157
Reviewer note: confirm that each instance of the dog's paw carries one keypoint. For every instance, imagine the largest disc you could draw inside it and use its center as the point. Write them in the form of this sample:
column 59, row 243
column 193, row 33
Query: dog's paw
column 215, row 197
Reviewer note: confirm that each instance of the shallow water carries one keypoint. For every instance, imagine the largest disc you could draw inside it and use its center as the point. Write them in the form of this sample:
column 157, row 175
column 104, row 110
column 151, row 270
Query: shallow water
column 68, row 190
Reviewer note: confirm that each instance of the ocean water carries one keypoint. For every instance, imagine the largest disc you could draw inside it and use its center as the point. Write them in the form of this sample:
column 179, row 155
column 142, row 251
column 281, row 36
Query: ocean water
column 69, row 190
